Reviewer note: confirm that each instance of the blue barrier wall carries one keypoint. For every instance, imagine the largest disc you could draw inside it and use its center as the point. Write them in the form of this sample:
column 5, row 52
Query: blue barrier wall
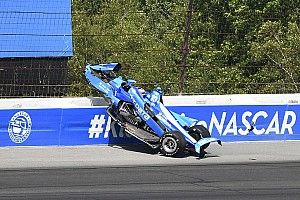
column 84, row 126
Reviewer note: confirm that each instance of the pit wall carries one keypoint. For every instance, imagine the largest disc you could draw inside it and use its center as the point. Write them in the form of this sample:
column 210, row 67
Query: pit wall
column 83, row 121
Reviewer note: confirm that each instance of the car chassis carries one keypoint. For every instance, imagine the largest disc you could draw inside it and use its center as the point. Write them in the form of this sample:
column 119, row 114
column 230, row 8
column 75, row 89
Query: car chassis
column 143, row 115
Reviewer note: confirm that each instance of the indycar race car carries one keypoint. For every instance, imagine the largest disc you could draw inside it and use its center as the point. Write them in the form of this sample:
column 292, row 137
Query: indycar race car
column 144, row 116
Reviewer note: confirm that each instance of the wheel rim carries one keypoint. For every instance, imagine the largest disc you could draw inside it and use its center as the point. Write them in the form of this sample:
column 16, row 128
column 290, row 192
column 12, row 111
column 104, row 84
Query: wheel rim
column 169, row 144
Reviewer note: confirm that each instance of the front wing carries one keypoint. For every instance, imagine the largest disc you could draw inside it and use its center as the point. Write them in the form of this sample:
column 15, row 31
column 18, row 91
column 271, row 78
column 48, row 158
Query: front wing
column 204, row 141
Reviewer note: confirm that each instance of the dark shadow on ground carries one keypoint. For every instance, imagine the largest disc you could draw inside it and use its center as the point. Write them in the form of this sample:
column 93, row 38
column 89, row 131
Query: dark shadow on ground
column 145, row 149
column 141, row 148
column 207, row 155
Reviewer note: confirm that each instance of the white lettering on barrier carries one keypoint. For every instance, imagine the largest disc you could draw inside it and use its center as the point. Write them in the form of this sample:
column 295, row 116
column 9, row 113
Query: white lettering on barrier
column 254, row 120
column 215, row 122
column 286, row 125
column 107, row 128
column 231, row 126
column 97, row 128
column 260, row 124
column 246, row 123
column 274, row 125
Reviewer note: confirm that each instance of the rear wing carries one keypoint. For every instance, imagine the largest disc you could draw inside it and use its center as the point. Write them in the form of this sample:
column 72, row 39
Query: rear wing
column 105, row 72
column 105, row 67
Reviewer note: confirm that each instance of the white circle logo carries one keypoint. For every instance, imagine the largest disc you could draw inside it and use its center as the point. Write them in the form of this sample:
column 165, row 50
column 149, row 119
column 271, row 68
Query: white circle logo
column 19, row 127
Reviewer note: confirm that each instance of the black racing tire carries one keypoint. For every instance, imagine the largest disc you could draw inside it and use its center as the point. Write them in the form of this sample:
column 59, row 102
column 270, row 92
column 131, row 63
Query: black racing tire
column 172, row 144
column 198, row 132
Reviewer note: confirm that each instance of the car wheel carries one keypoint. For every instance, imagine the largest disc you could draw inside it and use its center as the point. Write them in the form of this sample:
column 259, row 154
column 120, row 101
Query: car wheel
column 198, row 132
column 172, row 144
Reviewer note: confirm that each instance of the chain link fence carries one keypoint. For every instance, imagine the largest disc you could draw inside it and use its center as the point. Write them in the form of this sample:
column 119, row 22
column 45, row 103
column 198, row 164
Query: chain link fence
column 33, row 77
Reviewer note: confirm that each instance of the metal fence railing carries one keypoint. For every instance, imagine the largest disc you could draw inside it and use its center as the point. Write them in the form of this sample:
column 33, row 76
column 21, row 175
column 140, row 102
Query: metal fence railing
column 33, row 77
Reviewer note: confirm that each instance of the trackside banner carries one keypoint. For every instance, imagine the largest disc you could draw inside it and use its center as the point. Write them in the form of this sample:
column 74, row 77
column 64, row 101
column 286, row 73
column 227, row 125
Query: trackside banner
column 247, row 123
column 84, row 126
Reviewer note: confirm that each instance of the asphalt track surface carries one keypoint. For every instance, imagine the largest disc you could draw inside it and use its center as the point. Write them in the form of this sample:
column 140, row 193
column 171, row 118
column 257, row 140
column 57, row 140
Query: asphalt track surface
column 254, row 175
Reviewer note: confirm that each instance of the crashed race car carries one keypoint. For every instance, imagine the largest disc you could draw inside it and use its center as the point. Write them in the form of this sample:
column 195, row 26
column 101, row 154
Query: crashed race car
column 143, row 115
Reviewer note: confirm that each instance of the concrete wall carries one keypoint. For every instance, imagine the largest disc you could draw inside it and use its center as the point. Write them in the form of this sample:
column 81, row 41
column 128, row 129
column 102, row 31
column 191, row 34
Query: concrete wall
column 236, row 99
